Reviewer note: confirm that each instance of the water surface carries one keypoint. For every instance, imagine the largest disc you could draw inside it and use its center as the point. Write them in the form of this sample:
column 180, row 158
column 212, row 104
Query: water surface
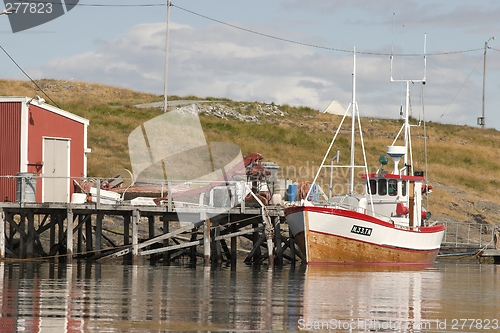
column 93, row 297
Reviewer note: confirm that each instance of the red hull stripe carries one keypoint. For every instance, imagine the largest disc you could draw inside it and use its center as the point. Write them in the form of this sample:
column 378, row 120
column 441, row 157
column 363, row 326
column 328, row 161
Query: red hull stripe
column 356, row 263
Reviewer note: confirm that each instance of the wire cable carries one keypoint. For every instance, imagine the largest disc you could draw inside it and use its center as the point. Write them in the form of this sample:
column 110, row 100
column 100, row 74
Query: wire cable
column 29, row 77
column 319, row 46
column 461, row 87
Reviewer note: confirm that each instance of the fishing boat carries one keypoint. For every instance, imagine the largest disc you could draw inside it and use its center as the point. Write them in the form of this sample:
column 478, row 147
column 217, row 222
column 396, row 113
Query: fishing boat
column 387, row 224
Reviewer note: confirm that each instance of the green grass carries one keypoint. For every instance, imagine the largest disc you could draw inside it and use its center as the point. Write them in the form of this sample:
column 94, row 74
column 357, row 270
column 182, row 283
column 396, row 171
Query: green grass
column 464, row 157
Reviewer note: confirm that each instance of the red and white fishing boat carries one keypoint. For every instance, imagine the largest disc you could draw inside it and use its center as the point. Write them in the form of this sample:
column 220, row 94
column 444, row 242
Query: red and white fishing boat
column 385, row 225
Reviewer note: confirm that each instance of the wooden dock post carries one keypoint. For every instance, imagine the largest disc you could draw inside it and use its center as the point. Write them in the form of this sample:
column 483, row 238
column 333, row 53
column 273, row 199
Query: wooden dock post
column 22, row 234
column 60, row 231
column 151, row 230
column 166, row 227
column 88, row 235
column 98, row 233
column 69, row 235
column 30, row 239
column 126, row 229
column 79, row 243
column 206, row 240
column 136, row 216
column 277, row 240
column 234, row 250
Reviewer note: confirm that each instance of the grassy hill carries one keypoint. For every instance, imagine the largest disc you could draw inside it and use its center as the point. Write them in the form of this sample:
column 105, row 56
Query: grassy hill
column 463, row 161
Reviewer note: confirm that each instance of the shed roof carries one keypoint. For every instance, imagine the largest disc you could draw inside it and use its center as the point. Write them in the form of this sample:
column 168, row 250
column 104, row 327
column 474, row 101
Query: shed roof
column 45, row 106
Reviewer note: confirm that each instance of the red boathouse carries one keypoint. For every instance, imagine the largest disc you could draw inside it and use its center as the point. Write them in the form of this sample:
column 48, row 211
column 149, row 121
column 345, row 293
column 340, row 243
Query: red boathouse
column 42, row 141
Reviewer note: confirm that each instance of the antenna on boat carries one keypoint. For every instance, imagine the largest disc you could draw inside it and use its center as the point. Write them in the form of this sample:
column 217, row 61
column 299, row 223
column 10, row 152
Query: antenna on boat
column 406, row 125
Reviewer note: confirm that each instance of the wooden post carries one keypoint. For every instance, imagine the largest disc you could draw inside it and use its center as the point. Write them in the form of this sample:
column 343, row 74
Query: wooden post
column 31, row 234
column 256, row 236
column 126, row 234
column 217, row 245
column 98, row 233
column 79, row 245
column 60, row 231
column 170, row 195
column 69, row 234
column 166, row 254
column 22, row 249
column 88, row 235
column 135, row 236
column 52, row 237
column 292, row 247
column 234, row 250
column 12, row 230
column 126, row 229
column 2, row 234
column 206, row 239
column 151, row 227
column 277, row 240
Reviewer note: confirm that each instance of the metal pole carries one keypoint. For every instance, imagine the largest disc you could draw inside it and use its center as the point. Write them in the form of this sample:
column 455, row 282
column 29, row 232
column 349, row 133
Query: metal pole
column 483, row 119
column 166, row 58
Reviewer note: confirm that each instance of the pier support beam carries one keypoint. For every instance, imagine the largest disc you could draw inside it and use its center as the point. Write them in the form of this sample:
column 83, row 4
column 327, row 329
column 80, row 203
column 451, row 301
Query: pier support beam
column 69, row 235
column 98, row 233
column 206, row 240
column 88, row 235
column 234, row 250
column 126, row 229
column 136, row 216
column 166, row 230
column 31, row 234
column 277, row 241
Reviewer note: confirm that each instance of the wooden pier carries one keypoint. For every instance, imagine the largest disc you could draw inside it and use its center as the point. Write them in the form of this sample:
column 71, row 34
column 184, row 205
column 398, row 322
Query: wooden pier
column 67, row 231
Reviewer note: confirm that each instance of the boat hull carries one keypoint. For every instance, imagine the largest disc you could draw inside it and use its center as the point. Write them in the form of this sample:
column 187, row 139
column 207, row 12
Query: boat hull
column 331, row 235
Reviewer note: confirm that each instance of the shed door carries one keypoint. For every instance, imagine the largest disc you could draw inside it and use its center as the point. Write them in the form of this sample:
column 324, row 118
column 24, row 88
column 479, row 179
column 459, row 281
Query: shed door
column 56, row 182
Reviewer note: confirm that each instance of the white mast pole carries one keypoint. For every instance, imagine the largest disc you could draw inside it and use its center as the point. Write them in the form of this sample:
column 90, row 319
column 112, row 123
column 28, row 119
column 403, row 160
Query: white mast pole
column 353, row 116
column 166, row 59
column 407, row 126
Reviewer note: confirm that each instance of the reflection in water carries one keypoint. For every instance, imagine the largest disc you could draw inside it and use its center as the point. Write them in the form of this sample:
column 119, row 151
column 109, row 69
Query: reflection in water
column 371, row 298
column 92, row 297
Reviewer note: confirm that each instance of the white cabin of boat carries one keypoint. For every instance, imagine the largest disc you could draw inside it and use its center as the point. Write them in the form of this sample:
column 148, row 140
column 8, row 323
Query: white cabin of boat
column 392, row 197
column 397, row 195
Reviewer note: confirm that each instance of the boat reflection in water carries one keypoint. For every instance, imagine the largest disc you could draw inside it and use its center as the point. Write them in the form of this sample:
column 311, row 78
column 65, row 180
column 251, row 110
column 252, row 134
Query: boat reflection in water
column 370, row 298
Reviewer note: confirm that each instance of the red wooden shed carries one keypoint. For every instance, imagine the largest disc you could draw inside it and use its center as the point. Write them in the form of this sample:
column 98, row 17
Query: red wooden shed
column 46, row 141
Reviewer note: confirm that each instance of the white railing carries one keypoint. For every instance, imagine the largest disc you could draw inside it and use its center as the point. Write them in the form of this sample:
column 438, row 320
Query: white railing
column 469, row 234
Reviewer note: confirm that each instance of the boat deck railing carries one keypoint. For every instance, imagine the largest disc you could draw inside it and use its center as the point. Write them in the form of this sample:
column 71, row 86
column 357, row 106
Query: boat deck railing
column 467, row 234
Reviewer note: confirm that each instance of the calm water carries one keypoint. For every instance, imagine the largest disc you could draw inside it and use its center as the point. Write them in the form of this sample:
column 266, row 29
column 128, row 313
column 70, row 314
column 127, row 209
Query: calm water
column 121, row 298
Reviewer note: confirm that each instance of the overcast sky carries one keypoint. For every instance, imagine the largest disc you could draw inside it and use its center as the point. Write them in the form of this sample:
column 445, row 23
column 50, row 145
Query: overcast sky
column 287, row 51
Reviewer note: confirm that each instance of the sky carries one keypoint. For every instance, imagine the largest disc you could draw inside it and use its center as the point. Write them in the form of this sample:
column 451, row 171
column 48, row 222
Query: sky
column 283, row 51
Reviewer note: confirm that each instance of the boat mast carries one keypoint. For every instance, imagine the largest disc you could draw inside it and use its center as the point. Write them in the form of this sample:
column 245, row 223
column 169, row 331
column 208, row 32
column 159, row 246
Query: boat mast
column 353, row 118
column 406, row 125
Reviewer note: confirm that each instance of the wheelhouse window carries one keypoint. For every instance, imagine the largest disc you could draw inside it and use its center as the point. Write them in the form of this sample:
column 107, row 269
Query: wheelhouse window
column 373, row 187
column 382, row 186
column 393, row 187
